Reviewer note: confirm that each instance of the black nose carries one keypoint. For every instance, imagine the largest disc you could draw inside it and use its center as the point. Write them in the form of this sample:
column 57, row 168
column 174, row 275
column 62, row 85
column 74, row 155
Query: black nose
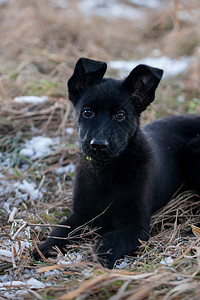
column 98, row 145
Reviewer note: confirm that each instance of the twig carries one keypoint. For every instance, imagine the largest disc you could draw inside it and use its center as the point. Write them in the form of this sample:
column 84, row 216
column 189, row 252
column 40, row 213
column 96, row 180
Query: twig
column 13, row 255
column 47, row 225
column 35, row 294
column 177, row 191
column 49, row 118
column 41, row 183
column 121, row 290
column 13, row 245
column 175, row 13
column 62, row 125
column 18, row 231
column 6, row 233
column 12, row 214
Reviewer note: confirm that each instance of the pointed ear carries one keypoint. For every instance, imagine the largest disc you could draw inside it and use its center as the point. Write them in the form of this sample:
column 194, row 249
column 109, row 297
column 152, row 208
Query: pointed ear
column 87, row 72
column 142, row 83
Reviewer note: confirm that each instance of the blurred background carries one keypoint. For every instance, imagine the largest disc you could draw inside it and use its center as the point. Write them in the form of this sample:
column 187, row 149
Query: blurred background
column 42, row 40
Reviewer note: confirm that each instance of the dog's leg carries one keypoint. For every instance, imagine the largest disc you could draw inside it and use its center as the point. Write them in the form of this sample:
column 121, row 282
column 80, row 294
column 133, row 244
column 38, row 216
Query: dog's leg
column 114, row 244
column 191, row 163
column 60, row 236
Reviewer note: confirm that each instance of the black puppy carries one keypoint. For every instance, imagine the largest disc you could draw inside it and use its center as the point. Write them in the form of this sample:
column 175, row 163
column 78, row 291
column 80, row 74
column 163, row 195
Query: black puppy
column 132, row 171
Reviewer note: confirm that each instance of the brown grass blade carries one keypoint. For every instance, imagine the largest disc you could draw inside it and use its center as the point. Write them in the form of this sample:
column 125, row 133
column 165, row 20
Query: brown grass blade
column 40, row 253
column 196, row 231
column 86, row 285
column 50, row 268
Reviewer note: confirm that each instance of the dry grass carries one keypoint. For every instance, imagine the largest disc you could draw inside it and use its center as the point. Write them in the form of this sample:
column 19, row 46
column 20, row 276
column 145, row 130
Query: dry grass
column 39, row 56
column 39, row 46
column 165, row 267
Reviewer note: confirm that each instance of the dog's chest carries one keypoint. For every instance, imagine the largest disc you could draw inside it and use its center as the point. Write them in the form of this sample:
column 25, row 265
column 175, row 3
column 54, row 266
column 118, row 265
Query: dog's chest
column 103, row 186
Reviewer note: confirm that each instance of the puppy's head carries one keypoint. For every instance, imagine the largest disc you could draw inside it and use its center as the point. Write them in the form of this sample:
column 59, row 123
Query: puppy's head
column 107, row 110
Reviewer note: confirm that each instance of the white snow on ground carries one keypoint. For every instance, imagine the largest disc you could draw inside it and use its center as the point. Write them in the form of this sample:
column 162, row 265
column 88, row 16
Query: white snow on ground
column 124, row 263
column 30, row 189
column 59, row 3
column 23, row 244
column 171, row 67
column 2, row 2
column 5, row 253
column 12, row 289
column 19, row 245
column 31, row 99
column 31, row 283
column 167, row 261
column 37, row 147
column 18, row 192
column 87, row 273
column 110, row 9
column 66, row 169
column 16, row 289
column 70, row 258
column 149, row 3
column 69, row 130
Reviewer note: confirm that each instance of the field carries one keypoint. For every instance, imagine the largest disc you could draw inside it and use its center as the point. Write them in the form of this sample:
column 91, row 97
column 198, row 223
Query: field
column 40, row 44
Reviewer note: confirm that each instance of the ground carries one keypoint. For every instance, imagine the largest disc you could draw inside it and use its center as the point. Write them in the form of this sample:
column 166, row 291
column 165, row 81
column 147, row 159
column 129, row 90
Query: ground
column 40, row 43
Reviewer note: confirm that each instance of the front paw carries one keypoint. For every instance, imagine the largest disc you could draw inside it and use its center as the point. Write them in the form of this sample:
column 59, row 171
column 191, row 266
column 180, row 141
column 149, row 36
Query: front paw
column 106, row 260
column 44, row 251
column 105, row 255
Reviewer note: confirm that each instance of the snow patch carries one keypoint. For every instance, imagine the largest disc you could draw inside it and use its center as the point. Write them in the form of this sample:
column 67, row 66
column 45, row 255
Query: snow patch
column 31, row 99
column 37, row 147
column 109, row 9
column 20, row 245
column 3, row 2
column 181, row 98
column 167, row 261
column 171, row 67
column 124, row 263
column 196, row 100
column 70, row 258
column 35, row 284
column 69, row 130
column 150, row 3
column 66, row 169
column 6, row 253
column 30, row 189
column 17, row 192
column 87, row 273
column 31, row 283
column 59, row 3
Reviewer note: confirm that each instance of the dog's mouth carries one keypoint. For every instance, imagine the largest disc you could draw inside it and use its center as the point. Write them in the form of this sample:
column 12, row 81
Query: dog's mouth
column 103, row 155
column 99, row 157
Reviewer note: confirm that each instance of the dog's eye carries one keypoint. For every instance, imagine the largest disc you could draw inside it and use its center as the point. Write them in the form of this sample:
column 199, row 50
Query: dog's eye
column 120, row 115
column 87, row 113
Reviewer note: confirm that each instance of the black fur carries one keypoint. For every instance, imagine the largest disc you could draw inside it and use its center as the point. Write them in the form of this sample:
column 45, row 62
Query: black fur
column 133, row 171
